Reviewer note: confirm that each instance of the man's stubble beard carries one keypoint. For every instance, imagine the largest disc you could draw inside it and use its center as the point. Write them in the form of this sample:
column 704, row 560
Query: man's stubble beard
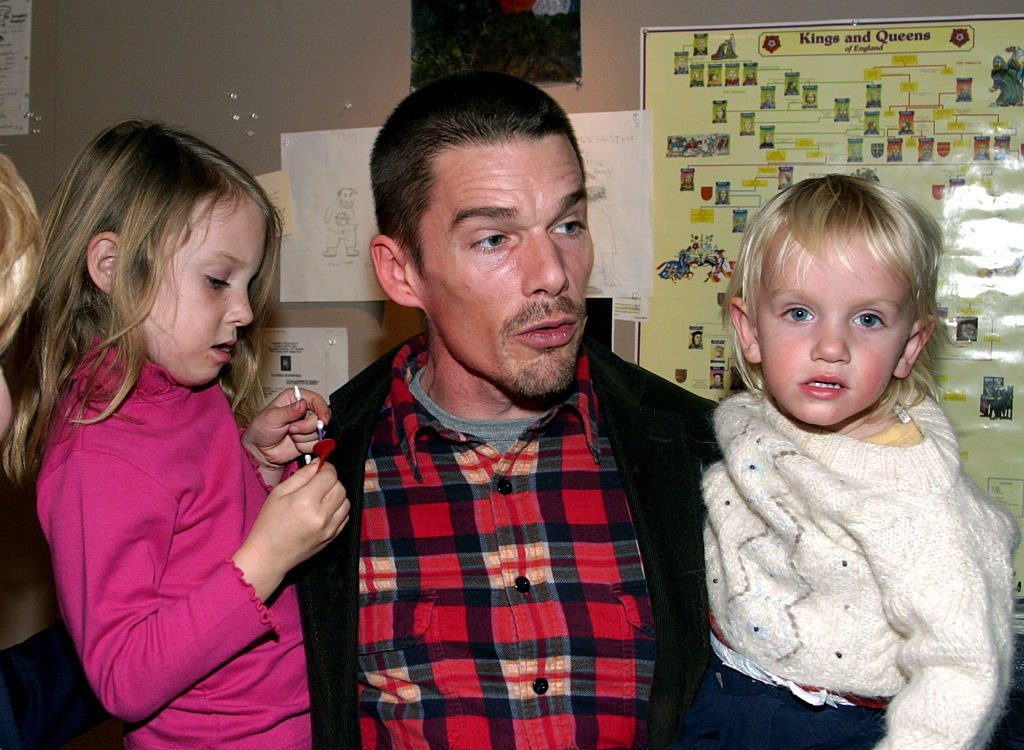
column 554, row 370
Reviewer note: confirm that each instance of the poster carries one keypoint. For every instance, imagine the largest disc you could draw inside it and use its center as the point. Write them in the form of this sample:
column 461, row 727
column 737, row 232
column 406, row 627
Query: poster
column 538, row 40
column 15, row 57
column 616, row 148
column 327, row 256
column 929, row 106
column 314, row 359
column 279, row 191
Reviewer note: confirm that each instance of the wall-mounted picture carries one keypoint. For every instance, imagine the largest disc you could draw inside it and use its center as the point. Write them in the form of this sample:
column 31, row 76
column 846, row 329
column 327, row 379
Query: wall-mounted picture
column 538, row 40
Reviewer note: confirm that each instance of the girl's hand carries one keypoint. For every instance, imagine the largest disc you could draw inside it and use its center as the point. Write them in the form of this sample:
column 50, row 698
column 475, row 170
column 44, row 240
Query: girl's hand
column 301, row 515
column 285, row 429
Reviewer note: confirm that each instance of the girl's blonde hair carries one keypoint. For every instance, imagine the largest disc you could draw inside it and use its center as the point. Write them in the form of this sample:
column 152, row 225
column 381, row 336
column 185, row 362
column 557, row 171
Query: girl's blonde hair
column 20, row 250
column 816, row 218
column 142, row 181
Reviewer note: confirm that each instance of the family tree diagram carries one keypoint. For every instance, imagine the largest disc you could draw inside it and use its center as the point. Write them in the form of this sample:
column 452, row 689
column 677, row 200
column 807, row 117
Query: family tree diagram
column 934, row 107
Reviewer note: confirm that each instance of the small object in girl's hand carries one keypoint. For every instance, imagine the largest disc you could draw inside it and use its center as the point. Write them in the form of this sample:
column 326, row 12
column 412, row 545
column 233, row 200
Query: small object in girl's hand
column 298, row 394
column 323, row 449
column 319, row 429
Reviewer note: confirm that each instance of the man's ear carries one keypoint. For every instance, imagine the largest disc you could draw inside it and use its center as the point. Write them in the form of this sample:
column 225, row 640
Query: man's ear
column 919, row 335
column 746, row 330
column 396, row 273
column 101, row 258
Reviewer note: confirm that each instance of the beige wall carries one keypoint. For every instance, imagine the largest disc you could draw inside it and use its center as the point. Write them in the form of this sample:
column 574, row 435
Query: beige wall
column 316, row 65
column 307, row 65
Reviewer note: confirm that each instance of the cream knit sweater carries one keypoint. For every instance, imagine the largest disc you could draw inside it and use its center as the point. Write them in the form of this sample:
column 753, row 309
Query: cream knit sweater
column 863, row 569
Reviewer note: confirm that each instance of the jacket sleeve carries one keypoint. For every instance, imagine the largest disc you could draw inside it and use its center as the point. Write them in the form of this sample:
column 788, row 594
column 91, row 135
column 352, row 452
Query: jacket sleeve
column 44, row 697
column 662, row 438
column 110, row 526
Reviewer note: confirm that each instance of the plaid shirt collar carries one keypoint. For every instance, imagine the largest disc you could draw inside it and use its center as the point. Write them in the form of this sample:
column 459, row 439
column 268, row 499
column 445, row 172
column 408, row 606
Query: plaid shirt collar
column 410, row 417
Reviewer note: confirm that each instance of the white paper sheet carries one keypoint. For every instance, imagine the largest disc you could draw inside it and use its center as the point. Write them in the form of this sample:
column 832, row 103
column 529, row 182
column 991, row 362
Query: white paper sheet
column 15, row 56
column 279, row 190
column 327, row 256
column 617, row 155
column 311, row 358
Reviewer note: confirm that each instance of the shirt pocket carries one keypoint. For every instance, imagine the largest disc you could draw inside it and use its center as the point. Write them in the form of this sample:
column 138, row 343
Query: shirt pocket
column 393, row 644
column 393, row 620
column 636, row 607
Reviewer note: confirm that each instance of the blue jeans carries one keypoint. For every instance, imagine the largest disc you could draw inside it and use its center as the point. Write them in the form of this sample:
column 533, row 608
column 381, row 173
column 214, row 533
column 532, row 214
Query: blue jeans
column 734, row 712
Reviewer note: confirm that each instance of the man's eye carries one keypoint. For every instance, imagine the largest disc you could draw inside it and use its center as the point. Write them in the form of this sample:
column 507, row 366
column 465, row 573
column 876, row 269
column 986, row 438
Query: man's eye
column 491, row 243
column 570, row 227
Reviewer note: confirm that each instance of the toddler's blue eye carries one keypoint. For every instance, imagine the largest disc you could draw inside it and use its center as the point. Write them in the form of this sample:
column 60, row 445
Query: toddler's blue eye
column 798, row 314
column 869, row 320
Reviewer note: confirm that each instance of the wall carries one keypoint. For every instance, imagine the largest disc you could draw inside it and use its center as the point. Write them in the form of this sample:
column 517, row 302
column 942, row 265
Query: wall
column 240, row 73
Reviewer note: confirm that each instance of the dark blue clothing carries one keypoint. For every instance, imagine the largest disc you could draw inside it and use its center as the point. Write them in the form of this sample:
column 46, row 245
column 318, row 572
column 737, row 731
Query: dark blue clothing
column 734, row 712
column 45, row 700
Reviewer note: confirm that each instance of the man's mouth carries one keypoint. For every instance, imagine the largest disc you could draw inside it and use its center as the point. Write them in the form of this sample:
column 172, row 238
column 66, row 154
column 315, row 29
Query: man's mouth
column 546, row 325
column 549, row 333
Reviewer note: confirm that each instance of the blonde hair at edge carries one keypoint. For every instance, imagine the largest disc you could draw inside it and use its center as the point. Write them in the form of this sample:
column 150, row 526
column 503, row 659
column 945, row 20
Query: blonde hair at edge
column 20, row 249
column 815, row 219
column 144, row 182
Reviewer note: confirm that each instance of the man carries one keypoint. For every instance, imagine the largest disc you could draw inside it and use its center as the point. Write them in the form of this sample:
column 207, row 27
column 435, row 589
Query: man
column 523, row 565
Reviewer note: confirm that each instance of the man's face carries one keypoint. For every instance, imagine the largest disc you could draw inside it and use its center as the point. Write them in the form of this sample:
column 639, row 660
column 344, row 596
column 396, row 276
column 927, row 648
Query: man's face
column 506, row 255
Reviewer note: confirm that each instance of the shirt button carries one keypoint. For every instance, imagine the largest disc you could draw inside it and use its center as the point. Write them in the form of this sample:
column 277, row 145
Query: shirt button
column 522, row 584
column 540, row 686
column 504, row 486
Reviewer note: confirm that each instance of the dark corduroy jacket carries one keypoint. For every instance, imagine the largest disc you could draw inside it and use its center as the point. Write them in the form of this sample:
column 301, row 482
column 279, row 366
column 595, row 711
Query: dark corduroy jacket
column 662, row 439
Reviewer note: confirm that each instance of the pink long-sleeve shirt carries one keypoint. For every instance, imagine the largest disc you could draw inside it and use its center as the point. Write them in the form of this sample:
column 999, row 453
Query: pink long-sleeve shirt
column 142, row 513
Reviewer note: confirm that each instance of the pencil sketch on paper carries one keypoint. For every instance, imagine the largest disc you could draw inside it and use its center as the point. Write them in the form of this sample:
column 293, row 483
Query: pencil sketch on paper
column 602, row 277
column 617, row 160
column 342, row 228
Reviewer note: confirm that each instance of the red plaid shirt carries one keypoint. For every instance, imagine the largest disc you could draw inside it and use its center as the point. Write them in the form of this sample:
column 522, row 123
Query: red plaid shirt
column 502, row 597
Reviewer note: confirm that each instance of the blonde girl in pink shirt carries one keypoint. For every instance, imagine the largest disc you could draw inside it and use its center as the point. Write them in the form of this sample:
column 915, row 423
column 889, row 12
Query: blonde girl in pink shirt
column 170, row 529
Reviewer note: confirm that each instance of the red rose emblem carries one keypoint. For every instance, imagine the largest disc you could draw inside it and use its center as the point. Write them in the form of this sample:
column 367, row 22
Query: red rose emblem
column 959, row 37
column 771, row 43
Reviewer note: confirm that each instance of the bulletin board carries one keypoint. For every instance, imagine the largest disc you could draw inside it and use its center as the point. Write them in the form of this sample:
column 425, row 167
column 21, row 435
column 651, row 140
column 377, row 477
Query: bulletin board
column 930, row 106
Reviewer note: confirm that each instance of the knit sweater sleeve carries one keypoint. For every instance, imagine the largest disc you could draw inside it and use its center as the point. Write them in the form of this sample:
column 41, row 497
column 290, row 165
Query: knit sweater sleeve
column 110, row 527
column 953, row 610
column 942, row 553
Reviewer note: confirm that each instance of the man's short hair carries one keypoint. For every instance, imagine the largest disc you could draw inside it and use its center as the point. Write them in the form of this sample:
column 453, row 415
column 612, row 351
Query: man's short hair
column 467, row 108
